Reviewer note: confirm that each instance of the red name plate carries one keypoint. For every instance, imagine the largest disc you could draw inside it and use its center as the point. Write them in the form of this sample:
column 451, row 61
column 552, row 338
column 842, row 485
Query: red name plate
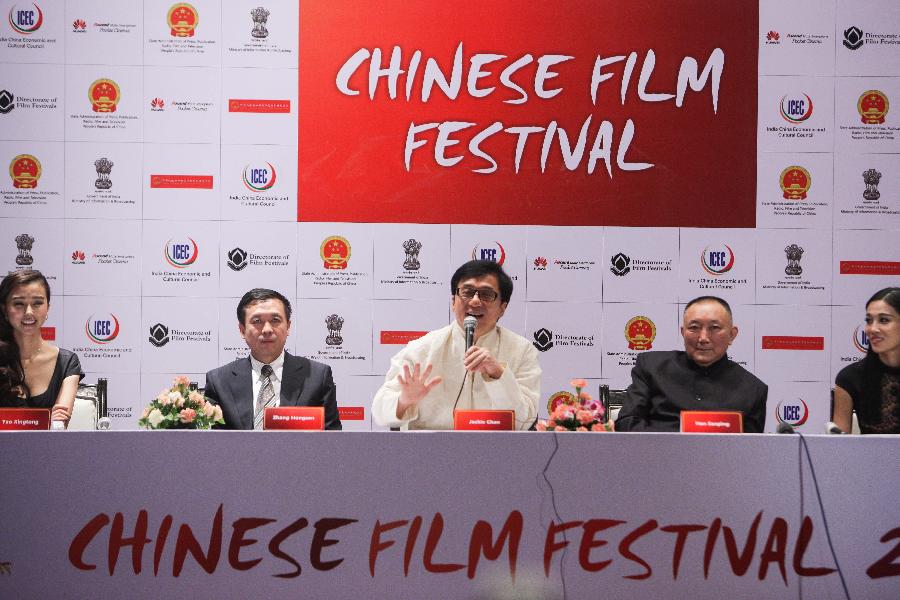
column 483, row 420
column 24, row 419
column 295, row 417
column 712, row 421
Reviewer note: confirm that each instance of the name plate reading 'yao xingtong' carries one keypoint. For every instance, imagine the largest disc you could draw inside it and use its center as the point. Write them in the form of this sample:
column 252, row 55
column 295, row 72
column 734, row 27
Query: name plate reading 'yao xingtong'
column 286, row 418
column 483, row 420
column 712, row 421
column 24, row 419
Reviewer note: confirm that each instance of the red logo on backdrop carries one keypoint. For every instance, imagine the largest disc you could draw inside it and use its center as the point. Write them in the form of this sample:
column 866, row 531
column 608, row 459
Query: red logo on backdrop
column 48, row 334
column 259, row 106
column 352, row 413
column 773, row 36
column 795, row 182
column 540, row 263
column 640, row 332
column 191, row 182
column 79, row 25
column 78, row 257
column 104, row 94
column 25, row 171
column 869, row 267
column 423, row 118
column 559, row 398
column 157, row 104
column 183, row 19
column 792, row 342
column 873, row 107
column 335, row 252
column 400, row 337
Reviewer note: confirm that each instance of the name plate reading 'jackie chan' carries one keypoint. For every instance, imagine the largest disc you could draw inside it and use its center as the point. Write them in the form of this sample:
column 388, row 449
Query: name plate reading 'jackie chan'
column 24, row 419
column 287, row 418
column 483, row 420
column 712, row 421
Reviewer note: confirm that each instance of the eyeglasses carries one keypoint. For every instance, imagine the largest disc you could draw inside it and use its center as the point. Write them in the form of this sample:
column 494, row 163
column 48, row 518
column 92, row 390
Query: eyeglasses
column 486, row 295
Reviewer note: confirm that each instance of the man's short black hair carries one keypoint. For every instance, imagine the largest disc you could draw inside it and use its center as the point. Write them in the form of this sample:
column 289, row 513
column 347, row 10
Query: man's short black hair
column 259, row 295
column 480, row 268
column 700, row 299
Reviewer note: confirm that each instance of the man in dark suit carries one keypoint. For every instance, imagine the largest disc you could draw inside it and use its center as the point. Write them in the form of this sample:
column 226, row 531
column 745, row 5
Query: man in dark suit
column 269, row 376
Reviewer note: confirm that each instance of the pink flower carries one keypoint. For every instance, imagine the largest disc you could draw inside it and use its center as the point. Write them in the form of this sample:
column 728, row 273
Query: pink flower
column 182, row 380
column 584, row 397
column 581, row 429
column 563, row 413
column 187, row 415
column 197, row 398
column 177, row 400
column 146, row 413
column 218, row 414
column 208, row 410
column 579, row 383
column 541, row 426
column 163, row 398
column 551, row 424
column 585, row 417
column 598, row 427
column 559, row 428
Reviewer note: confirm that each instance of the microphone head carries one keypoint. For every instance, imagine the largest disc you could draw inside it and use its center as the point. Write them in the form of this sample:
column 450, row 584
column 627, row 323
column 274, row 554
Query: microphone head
column 784, row 428
column 832, row 428
column 470, row 322
column 103, row 424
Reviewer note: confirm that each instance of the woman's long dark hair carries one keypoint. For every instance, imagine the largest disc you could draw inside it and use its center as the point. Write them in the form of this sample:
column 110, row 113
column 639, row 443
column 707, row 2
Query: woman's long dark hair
column 12, row 375
column 874, row 368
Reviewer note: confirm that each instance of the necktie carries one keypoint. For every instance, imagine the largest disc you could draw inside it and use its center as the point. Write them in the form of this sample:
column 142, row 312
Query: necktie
column 265, row 398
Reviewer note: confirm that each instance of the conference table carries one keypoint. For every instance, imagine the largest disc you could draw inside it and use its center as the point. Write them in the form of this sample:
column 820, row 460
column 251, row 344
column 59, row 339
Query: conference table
column 448, row 515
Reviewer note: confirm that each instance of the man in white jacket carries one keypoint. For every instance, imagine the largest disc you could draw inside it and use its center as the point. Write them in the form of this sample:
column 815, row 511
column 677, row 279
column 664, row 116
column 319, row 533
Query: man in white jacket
column 435, row 374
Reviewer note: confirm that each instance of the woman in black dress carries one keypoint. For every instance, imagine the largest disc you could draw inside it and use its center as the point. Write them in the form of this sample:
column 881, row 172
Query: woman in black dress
column 871, row 386
column 33, row 372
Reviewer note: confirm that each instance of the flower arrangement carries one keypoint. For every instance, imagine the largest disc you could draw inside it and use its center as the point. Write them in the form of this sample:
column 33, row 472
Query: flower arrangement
column 180, row 407
column 575, row 412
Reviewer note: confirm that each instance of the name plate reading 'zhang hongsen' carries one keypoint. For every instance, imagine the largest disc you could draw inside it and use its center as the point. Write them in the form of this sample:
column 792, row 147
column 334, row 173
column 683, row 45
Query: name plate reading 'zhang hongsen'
column 712, row 421
column 483, row 420
column 24, row 419
column 287, row 418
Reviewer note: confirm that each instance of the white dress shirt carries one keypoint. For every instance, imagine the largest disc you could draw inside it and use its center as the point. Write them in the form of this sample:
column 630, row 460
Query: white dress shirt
column 256, row 373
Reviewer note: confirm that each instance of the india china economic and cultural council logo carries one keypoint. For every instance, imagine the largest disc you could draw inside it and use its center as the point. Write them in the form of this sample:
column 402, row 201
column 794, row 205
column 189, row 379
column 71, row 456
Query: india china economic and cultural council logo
column 102, row 330
column 181, row 253
column 717, row 260
column 26, row 17
column 796, row 109
column 860, row 339
column 792, row 412
column 492, row 251
column 259, row 178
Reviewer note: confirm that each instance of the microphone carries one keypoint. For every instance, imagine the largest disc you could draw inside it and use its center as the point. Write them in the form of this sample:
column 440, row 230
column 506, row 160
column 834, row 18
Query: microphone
column 833, row 429
column 469, row 324
column 784, row 428
column 57, row 426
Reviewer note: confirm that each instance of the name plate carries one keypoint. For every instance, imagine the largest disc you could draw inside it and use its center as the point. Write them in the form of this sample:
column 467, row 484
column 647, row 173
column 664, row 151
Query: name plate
column 712, row 421
column 305, row 418
column 483, row 420
column 24, row 419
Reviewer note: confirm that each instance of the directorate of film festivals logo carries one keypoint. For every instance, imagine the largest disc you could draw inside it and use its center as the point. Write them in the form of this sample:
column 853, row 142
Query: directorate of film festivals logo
column 25, row 171
column 620, row 265
column 796, row 109
column 873, row 107
column 795, row 181
column 159, row 335
column 792, row 412
column 853, row 38
column 237, row 259
column 543, row 339
column 182, row 19
column 181, row 253
column 7, row 102
column 25, row 17
column 259, row 178
column 717, row 260
column 104, row 95
column 335, row 252
column 102, row 330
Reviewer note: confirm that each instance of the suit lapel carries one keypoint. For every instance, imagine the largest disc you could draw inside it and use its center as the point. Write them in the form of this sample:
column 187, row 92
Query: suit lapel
column 242, row 387
column 292, row 378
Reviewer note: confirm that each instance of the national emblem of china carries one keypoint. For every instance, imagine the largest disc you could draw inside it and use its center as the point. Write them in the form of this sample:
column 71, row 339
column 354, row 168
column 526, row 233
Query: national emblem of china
column 795, row 182
column 335, row 252
column 104, row 94
column 182, row 19
column 640, row 332
column 560, row 398
column 873, row 107
column 25, row 171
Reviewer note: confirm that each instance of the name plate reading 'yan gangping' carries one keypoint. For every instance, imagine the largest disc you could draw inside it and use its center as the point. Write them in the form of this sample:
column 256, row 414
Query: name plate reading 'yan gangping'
column 24, row 419
column 483, row 420
column 290, row 418
column 712, row 421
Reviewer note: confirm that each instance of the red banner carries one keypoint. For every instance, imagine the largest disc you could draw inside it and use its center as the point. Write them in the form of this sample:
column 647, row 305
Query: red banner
column 526, row 114
column 869, row 267
column 197, row 182
column 400, row 337
column 792, row 342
